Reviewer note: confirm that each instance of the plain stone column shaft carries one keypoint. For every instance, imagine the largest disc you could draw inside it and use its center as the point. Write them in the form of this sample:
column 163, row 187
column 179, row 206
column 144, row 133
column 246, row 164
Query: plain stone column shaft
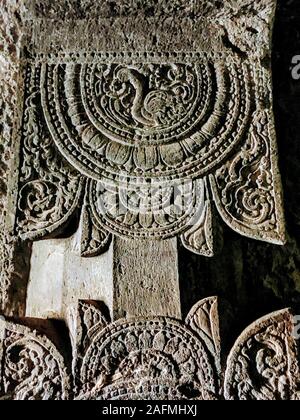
column 145, row 278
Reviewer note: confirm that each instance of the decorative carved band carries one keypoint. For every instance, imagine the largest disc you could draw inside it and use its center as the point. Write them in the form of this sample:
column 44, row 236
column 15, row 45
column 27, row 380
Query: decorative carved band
column 156, row 358
column 158, row 139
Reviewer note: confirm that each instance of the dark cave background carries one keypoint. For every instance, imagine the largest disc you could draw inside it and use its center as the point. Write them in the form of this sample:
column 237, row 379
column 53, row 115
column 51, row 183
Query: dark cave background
column 251, row 278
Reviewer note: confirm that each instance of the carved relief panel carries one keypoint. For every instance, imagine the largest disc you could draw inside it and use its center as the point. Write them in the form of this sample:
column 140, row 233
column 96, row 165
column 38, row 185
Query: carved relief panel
column 146, row 122
column 153, row 359
column 148, row 142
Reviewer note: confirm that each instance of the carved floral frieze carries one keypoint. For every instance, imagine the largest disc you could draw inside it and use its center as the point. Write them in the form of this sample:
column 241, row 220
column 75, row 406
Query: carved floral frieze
column 150, row 143
column 157, row 358
column 147, row 136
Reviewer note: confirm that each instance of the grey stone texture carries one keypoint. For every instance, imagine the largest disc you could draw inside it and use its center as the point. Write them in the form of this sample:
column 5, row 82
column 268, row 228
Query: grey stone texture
column 148, row 269
column 255, row 278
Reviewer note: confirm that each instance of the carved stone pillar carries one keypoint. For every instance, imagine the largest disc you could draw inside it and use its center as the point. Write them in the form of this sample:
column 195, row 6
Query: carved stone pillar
column 133, row 127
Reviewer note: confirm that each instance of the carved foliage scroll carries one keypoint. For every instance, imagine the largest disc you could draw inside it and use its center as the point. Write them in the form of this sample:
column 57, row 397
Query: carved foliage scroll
column 263, row 363
column 247, row 189
column 49, row 189
column 31, row 366
column 122, row 124
column 138, row 126
column 157, row 358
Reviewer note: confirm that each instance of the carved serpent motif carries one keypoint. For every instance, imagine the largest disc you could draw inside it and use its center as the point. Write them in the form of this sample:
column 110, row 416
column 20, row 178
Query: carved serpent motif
column 205, row 111
column 135, row 127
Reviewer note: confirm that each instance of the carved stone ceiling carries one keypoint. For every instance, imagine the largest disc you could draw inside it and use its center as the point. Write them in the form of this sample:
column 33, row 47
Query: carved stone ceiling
column 138, row 122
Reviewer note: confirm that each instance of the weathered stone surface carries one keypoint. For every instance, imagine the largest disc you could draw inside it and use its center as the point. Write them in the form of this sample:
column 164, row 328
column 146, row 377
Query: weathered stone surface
column 10, row 41
column 155, row 358
column 153, row 140
column 32, row 368
column 14, row 256
column 63, row 278
column 145, row 279
column 263, row 362
column 152, row 64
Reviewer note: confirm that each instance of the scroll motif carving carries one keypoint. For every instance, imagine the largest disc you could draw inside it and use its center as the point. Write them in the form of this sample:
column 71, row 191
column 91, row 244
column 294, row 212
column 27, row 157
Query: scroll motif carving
column 262, row 364
column 31, row 366
column 157, row 358
column 140, row 131
column 245, row 191
column 138, row 125
column 49, row 189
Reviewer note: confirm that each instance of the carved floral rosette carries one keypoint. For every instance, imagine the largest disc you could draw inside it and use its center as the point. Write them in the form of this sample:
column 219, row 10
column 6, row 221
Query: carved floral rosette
column 150, row 143
column 150, row 359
